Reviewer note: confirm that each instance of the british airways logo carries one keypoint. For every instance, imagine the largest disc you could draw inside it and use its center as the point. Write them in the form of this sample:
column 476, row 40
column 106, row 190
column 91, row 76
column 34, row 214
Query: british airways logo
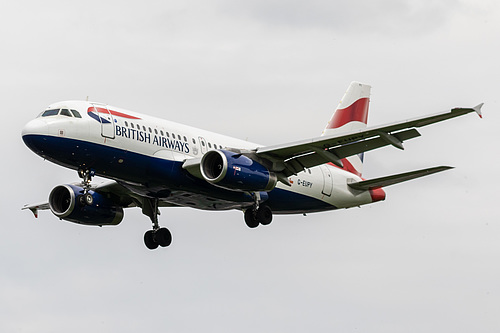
column 157, row 140
column 136, row 134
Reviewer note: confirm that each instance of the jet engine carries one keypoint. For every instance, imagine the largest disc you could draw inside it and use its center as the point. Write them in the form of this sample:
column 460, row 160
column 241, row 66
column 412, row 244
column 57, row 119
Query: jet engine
column 236, row 172
column 66, row 202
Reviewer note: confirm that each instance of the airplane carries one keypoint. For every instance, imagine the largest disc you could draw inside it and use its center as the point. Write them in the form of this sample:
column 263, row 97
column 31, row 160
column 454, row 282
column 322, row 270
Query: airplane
column 151, row 163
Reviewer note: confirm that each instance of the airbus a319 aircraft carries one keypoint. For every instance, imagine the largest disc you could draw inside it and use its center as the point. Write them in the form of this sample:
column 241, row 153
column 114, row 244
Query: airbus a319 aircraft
column 153, row 163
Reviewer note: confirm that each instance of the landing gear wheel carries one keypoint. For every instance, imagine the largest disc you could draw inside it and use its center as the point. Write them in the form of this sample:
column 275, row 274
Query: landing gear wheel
column 250, row 218
column 88, row 198
column 86, row 174
column 149, row 240
column 264, row 215
column 163, row 237
column 158, row 236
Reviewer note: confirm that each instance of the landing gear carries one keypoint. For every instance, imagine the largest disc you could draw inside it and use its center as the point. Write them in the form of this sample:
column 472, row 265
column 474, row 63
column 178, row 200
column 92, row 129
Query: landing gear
column 262, row 215
column 154, row 238
column 158, row 236
column 258, row 214
column 86, row 175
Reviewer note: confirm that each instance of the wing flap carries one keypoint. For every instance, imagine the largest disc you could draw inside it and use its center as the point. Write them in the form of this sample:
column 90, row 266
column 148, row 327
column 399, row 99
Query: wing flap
column 371, row 184
column 309, row 160
column 344, row 145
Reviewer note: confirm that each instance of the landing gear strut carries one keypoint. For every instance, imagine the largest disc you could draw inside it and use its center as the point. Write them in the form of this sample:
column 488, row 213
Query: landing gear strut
column 158, row 236
column 86, row 175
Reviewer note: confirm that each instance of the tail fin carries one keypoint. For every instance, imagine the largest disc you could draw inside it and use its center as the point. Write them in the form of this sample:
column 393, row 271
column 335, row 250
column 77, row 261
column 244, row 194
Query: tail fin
column 351, row 115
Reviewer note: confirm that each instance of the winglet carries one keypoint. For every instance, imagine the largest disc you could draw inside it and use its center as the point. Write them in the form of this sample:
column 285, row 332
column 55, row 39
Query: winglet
column 477, row 108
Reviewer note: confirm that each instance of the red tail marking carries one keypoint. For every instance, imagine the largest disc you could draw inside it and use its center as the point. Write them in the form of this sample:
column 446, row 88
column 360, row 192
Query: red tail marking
column 348, row 167
column 357, row 111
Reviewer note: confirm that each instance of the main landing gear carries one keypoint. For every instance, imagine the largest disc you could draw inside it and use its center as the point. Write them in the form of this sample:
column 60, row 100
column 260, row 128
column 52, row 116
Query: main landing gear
column 158, row 236
column 256, row 215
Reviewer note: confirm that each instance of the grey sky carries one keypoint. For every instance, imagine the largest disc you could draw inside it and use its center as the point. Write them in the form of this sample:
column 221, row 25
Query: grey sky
column 426, row 259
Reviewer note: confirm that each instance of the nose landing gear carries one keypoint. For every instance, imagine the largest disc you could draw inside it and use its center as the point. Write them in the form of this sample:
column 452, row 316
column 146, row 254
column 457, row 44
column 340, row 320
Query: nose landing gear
column 86, row 198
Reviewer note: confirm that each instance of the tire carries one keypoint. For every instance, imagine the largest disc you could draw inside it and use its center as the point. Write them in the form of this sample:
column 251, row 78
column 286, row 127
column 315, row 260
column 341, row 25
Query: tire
column 163, row 237
column 264, row 215
column 149, row 240
column 89, row 199
column 250, row 219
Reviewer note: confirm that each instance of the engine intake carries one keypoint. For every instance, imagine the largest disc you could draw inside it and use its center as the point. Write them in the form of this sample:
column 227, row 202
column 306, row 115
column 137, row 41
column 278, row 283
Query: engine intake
column 65, row 203
column 236, row 172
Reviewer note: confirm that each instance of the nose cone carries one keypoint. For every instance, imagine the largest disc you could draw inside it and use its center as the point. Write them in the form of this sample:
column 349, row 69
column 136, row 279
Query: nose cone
column 35, row 127
column 34, row 134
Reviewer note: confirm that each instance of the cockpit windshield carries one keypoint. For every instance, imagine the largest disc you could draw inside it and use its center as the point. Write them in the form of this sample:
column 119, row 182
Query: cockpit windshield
column 62, row 112
column 76, row 114
column 49, row 113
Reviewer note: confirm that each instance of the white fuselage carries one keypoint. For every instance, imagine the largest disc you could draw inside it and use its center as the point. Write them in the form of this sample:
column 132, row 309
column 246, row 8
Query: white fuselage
column 128, row 147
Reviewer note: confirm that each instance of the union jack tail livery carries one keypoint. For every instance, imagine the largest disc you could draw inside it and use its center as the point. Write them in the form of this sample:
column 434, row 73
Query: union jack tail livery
column 351, row 115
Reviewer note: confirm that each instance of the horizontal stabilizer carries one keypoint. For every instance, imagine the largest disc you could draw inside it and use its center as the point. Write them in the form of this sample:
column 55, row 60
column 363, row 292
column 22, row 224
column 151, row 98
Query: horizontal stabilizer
column 371, row 184
column 36, row 207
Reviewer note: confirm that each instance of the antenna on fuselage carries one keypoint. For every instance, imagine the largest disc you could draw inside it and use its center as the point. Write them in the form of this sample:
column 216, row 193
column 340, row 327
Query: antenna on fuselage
column 87, row 98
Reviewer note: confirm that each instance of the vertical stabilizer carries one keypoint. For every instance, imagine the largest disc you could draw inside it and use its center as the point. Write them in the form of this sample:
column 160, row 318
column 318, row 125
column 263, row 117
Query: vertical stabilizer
column 351, row 115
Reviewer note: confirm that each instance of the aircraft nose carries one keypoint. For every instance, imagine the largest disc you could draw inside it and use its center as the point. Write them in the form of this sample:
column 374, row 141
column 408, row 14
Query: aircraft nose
column 35, row 127
column 34, row 132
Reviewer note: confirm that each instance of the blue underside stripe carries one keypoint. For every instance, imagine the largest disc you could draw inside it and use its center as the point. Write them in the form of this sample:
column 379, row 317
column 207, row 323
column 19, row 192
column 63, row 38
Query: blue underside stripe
column 157, row 175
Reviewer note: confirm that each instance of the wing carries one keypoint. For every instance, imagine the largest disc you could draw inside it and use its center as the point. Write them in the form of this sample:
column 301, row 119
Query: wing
column 291, row 158
column 121, row 195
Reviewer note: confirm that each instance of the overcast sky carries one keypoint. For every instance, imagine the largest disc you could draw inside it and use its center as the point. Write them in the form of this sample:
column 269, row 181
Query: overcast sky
column 426, row 259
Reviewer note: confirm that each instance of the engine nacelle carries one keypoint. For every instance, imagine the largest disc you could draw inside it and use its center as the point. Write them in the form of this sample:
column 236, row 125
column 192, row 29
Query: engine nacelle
column 65, row 203
column 236, row 172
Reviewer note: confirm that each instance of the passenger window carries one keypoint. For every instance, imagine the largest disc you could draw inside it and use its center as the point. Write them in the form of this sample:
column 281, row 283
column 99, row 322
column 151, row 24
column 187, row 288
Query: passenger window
column 179, row 137
column 156, row 131
column 185, row 139
column 126, row 124
column 65, row 112
column 150, row 131
column 76, row 113
column 168, row 134
column 161, row 132
column 144, row 128
column 49, row 113
column 194, row 141
column 209, row 145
